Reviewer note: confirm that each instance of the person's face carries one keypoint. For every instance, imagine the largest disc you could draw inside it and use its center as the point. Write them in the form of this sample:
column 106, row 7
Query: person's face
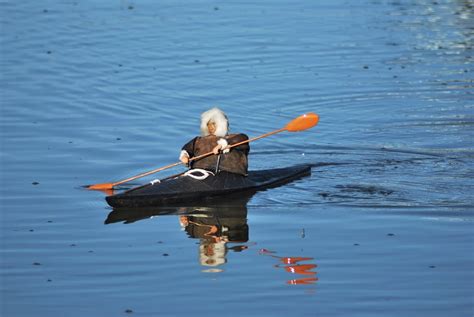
column 211, row 126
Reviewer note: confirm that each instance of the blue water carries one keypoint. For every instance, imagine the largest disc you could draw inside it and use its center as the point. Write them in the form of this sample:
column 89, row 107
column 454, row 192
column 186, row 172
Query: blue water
column 96, row 92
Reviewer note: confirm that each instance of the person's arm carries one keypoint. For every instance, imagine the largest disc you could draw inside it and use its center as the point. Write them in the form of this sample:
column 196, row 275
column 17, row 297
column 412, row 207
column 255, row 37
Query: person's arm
column 239, row 138
column 187, row 151
column 224, row 143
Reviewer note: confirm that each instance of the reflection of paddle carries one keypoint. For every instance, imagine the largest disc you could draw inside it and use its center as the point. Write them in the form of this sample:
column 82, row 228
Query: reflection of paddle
column 292, row 265
column 301, row 123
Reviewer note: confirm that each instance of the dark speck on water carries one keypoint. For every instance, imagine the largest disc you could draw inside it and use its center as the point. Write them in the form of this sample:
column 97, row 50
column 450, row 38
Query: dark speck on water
column 391, row 157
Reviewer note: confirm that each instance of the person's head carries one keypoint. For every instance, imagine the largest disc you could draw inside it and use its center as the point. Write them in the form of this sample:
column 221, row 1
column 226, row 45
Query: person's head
column 214, row 122
column 211, row 126
column 212, row 253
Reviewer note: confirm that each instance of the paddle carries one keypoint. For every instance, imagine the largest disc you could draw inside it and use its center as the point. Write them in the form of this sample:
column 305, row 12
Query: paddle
column 301, row 123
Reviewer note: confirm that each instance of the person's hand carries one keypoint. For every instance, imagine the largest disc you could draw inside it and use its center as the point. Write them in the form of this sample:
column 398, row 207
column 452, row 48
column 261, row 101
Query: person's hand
column 216, row 149
column 184, row 157
column 222, row 145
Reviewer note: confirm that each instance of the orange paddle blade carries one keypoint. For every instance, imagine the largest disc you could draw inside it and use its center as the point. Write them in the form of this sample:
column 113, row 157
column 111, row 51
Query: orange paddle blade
column 103, row 186
column 303, row 122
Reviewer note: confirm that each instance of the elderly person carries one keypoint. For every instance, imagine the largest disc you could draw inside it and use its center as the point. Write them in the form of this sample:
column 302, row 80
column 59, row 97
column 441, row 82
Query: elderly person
column 215, row 138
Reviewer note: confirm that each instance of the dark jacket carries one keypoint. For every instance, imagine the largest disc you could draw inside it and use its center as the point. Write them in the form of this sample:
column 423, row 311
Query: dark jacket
column 234, row 161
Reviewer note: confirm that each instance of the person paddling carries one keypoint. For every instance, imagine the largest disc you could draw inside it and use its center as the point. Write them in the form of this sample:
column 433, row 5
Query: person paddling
column 215, row 137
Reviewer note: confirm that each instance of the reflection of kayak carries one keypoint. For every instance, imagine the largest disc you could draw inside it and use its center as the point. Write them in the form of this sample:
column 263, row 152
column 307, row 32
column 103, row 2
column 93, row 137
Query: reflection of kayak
column 185, row 189
column 233, row 206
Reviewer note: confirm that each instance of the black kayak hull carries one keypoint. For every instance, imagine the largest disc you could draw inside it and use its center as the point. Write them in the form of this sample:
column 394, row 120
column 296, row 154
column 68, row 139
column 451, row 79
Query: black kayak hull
column 184, row 190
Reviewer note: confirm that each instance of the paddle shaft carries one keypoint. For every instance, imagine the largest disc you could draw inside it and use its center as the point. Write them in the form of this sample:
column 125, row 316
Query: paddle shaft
column 236, row 144
column 146, row 174
column 301, row 123
column 193, row 158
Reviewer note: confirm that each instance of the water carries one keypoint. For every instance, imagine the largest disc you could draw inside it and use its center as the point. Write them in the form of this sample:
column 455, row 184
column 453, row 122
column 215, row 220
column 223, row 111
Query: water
column 97, row 92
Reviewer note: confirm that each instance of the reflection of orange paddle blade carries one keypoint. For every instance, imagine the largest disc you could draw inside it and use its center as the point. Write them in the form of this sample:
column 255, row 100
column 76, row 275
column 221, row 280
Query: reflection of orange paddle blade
column 294, row 260
column 301, row 269
column 300, row 281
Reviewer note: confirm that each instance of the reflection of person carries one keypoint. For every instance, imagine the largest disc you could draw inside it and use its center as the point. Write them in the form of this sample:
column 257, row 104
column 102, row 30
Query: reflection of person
column 215, row 230
column 212, row 253
column 215, row 138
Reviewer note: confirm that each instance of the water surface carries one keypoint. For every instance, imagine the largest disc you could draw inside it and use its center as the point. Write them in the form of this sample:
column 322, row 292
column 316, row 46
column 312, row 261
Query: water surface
column 97, row 92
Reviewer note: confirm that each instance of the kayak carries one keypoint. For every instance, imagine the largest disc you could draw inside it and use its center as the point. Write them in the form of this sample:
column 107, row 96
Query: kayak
column 184, row 189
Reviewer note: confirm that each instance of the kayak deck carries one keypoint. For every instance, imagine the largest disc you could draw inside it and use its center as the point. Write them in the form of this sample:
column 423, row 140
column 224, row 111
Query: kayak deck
column 185, row 189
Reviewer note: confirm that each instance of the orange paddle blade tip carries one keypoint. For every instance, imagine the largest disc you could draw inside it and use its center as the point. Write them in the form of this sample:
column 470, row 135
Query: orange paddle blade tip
column 303, row 122
column 103, row 186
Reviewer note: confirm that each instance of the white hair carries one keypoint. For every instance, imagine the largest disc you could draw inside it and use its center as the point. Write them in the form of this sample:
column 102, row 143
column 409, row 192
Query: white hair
column 217, row 116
